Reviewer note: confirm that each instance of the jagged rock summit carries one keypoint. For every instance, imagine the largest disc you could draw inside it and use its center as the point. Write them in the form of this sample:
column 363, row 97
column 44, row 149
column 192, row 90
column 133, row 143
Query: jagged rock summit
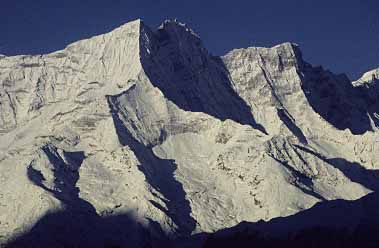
column 141, row 137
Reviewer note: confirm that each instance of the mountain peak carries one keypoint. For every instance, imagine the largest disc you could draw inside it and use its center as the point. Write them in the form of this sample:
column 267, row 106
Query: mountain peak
column 137, row 21
column 368, row 77
column 173, row 25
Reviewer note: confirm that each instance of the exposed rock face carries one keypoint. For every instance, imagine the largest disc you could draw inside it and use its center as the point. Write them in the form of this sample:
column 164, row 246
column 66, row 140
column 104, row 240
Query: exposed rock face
column 146, row 134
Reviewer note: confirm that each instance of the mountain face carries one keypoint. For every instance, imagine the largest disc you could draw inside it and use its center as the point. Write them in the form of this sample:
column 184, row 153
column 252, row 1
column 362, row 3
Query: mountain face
column 142, row 138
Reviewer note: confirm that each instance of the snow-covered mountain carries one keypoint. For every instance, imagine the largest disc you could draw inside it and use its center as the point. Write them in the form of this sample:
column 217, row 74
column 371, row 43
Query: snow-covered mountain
column 142, row 138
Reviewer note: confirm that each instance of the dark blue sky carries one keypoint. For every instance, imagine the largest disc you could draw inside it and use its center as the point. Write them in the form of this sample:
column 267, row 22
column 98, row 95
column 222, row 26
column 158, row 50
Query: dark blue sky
column 343, row 36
